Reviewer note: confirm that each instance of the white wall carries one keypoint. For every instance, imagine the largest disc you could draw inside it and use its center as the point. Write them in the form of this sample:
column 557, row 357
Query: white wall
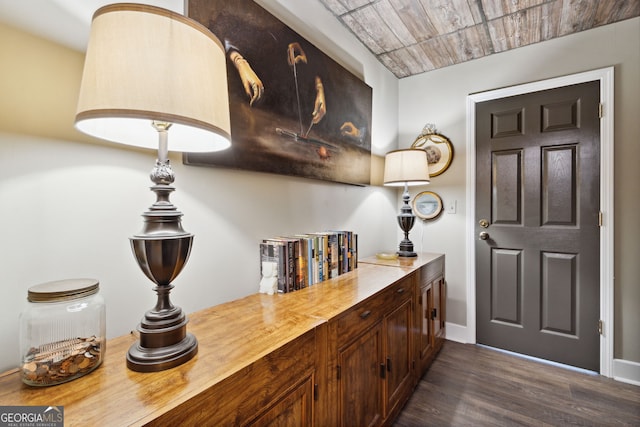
column 69, row 205
column 439, row 97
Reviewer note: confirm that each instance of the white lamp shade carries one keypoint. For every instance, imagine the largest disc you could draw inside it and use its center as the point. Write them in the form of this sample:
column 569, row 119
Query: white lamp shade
column 408, row 166
column 145, row 64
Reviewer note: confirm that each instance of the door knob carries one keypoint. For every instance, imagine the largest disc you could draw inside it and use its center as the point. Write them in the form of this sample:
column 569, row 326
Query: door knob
column 483, row 235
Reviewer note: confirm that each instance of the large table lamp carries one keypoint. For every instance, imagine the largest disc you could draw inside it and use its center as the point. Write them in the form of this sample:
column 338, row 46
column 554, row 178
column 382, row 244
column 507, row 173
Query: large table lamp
column 405, row 168
column 149, row 71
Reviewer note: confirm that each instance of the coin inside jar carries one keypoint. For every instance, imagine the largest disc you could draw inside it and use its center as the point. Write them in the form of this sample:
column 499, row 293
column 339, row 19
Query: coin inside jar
column 62, row 361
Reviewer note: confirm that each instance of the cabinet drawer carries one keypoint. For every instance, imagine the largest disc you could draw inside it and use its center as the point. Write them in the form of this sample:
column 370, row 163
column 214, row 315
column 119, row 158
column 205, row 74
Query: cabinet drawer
column 364, row 315
column 397, row 293
column 358, row 319
column 431, row 271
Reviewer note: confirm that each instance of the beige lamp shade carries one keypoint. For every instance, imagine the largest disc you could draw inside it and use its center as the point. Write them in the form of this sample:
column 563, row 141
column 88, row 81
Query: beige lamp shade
column 146, row 64
column 408, row 166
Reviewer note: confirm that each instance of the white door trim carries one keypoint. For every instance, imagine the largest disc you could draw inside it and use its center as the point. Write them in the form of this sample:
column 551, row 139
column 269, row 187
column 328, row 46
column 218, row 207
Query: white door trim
column 605, row 76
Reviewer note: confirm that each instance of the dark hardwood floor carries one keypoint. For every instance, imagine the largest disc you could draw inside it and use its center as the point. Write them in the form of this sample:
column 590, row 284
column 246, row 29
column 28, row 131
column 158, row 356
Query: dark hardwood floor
column 469, row 385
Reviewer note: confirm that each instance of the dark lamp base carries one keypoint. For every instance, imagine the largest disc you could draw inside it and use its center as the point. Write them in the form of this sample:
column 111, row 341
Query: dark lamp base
column 407, row 254
column 164, row 342
column 141, row 359
column 405, row 249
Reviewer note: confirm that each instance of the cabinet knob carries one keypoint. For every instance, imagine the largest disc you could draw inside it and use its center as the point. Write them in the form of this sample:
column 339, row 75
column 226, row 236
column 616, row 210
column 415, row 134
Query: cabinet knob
column 365, row 314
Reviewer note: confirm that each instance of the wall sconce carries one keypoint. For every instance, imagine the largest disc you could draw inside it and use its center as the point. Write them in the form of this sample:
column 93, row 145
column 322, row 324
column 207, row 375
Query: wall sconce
column 148, row 70
column 404, row 168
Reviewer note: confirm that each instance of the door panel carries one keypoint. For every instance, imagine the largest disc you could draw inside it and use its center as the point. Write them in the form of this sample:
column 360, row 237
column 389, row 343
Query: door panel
column 537, row 188
column 292, row 410
column 559, row 299
column 507, row 187
column 506, row 286
column 559, row 177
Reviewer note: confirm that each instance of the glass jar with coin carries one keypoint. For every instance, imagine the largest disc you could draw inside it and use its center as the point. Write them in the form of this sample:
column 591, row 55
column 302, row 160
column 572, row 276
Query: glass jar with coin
column 62, row 331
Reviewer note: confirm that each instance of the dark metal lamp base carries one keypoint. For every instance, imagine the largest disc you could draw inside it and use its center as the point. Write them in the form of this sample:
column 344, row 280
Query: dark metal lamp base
column 406, row 220
column 407, row 254
column 142, row 359
column 406, row 249
column 164, row 342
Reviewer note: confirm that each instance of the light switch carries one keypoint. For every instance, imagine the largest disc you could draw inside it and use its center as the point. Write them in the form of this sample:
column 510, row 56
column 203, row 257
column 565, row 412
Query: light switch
column 451, row 206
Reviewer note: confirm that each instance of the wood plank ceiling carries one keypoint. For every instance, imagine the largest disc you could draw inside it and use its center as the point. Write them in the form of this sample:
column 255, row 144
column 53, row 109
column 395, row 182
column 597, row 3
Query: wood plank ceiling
column 415, row 36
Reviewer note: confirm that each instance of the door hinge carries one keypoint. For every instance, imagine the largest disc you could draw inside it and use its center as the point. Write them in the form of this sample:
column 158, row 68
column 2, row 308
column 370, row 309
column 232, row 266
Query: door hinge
column 600, row 219
column 600, row 110
column 600, row 327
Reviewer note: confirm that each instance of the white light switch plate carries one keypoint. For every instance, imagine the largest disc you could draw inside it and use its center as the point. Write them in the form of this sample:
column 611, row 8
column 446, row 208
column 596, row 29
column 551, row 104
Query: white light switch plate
column 451, row 206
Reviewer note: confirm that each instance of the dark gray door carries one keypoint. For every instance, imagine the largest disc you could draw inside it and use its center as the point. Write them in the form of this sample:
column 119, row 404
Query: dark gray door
column 537, row 213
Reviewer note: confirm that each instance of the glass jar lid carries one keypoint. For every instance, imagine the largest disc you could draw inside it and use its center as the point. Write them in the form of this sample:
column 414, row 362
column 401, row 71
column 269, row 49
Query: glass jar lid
column 63, row 290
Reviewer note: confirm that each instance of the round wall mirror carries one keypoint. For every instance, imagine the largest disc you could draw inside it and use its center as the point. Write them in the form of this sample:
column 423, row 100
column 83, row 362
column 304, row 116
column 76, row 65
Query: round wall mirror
column 427, row 205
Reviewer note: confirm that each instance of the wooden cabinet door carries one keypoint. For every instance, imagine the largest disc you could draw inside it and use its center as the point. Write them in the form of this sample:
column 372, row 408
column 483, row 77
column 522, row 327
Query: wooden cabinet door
column 439, row 302
column 425, row 343
column 359, row 382
column 436, row 311
column 399, row 356
column 294, row 408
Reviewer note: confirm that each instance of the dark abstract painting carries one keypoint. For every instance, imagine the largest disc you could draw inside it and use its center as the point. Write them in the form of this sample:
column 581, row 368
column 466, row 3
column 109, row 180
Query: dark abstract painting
column 294, row 110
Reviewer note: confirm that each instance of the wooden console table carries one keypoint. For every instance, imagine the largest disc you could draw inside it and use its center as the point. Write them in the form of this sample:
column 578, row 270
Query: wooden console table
column 261, row 360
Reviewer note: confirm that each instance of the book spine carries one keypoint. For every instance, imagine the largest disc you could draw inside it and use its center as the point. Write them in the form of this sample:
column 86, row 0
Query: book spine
column 311, row 265
column 341, row 253
column 307, row 251
column 287, row 267
column 323, row 257
column 354, row 250
column 300, row 256
column 291, row 267
column 332, row 240
column 344, row 250
column 348, row 246
column 317, row 264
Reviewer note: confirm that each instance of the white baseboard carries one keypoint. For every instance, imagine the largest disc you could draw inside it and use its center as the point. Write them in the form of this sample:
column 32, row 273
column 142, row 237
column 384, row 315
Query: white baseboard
column 458, row 333
column 626, row 371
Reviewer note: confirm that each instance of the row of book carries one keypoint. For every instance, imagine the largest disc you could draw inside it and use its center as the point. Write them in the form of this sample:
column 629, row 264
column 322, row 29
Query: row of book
column 306, row 259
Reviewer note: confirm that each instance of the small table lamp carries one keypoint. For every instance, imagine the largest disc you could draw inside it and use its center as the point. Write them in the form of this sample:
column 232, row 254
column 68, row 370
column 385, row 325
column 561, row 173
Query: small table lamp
column 406, row 167
column 148, row 70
